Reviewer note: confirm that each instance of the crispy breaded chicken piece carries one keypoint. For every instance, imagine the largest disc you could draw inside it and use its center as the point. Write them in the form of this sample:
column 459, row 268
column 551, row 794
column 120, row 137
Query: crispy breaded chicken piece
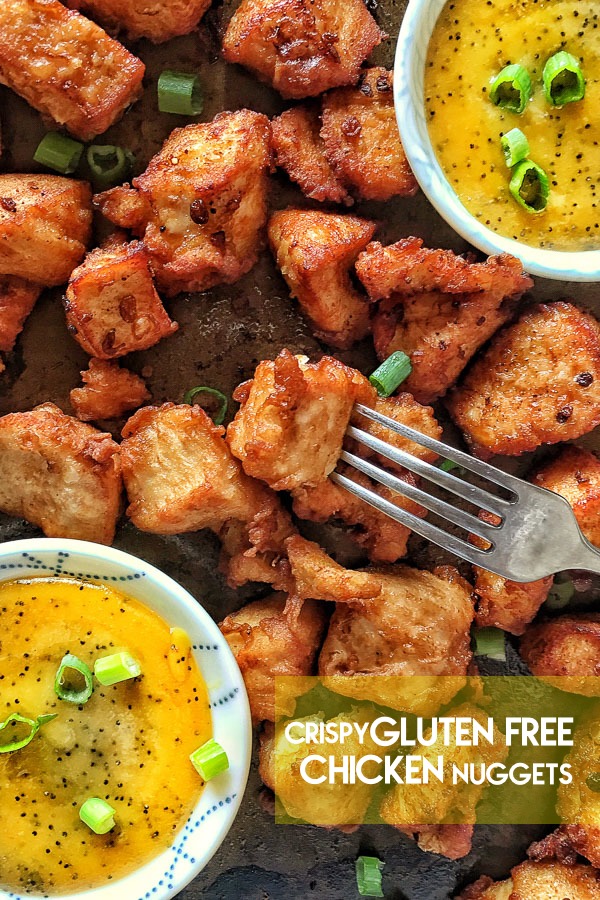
column 567, row 842
column 65, row 66
column 17, row 299
column 292, row 418
column 108, row 391
column 45, row 226
column 403, row 408
column 567, row 648
column 302, row 47
column 157, row 20
column 361, row 138
column 315, row 252
column 538, row 383
column 111, row 303
column 575, row 473
column 506, row 604
column 419, row 625
column 451, row 841
column 203, row 202
column 266, row 644
column 299, row 149
column 315, row 575
column 538, row 881
column 577, row 804
column 437, row 308
column 59, row 474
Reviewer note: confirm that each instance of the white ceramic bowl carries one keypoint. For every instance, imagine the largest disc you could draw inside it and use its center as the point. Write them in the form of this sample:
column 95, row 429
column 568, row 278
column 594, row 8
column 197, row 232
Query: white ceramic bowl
column 409, row 71
column 211, row 819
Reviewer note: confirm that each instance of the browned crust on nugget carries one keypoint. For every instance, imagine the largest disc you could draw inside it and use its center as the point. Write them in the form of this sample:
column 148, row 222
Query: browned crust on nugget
column 157, row 20
column 17, row 299
column 575, row 473
column 566, row 647
column 566, row 842
column 108, row 391
column 539, row 881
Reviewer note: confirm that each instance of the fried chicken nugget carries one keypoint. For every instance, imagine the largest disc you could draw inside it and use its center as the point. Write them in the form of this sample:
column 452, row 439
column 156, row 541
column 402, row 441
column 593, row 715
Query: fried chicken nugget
column 315, row 252
column 267, row 644
column 538, row 881
column 316, row 575
column 578, row 803
column 538, row 383
column 361, row 138
column 300, row 151
column 567, row 842
column 17, row 299
column 418, row 625
column 403, row 408
column 157, row 20
column 437, row 307
column 566, row 646
column 108, row 391
column 111, row 304
column 302, row 47
column 59, row 474
column 45, row 226
column 202, row 203
column 65, row 66
column 292, row 418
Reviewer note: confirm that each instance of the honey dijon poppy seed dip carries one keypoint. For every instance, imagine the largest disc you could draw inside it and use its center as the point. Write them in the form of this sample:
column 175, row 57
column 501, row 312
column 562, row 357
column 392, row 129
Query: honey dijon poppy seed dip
column 471, row 45
column 116, row 742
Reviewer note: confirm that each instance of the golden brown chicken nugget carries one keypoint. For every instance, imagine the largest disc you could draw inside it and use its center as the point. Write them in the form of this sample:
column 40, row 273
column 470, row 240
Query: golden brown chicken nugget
column 65, row 66
column 361, row 138
column 17, row 299
column 575, row 473
column 266, row 644
column 108, row 391
column 202, row 203
column 59, row 474
column 158, row 20
column 567, row 842
column 419, row 625
column 508, row 604
column 201, row 487
column 302, row 47
column 578, row 802
column 405, row 410
column 317, row 576
column 315, row 252
column 292, row 418
column 539, row 881
column 538, row 383
column 112, row 305
column 300, row 151
column 45, row 226
column 566, row 647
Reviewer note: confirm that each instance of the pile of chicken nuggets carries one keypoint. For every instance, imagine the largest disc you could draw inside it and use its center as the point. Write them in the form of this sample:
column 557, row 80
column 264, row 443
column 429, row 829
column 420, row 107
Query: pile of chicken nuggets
column 512, row 374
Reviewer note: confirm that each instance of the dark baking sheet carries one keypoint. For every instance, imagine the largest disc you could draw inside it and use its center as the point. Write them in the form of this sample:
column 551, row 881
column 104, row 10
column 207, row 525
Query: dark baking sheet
column 223, row 334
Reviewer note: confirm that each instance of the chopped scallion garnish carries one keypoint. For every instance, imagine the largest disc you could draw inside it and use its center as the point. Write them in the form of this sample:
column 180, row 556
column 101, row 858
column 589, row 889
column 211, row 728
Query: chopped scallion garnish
column 448, row 465
column 218, row 416
column 560, row 594
column 515, row 147
column 391, row 373
column 490, row 642
column 530, row 187
column 58, row 152
column 179, row 93
column 511, row 88
column 116, row 668
column 110, row 165
column 563, row 79
column 368, row 876
column 73, row 680
column 98, row 815
column 34, row 726
column 209, row 760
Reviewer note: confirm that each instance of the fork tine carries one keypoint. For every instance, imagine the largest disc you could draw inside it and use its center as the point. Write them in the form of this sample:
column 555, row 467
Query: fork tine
column 418, row 466
column 457, row 516
column 420, row 526
column 458, row 456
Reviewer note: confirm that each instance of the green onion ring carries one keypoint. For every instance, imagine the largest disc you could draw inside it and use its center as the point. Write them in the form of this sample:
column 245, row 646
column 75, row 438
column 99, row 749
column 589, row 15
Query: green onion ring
column 515, row 147
column 59, row 152
column 110, row 165
column 98, row 815
column 511, row 88
column 563, row 79
column 368, row 876
column 391, row 373
column 34, row 725
column 209, row 760
column 179, row 93
column 116, row 668
column 219, row 416
column 70, row 694
column 490, row 642
column 530, row 186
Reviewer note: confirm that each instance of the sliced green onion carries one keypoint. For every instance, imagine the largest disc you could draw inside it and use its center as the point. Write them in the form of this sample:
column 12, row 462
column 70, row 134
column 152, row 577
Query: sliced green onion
column 179, row 93
column 58, row 152
column 368, row 876
column 511, row 89
column 98, row 815
column 560, row 595
column 116, row 668
column 391, row 373
column 110, row 165
column 209, row 760
column 593, row 782
column 219, row 415
column 530, row 186
column 448, row 465
column 490, row 642
column 563, row 79
column 515, row 147
column 34, row 726
column 66, row 691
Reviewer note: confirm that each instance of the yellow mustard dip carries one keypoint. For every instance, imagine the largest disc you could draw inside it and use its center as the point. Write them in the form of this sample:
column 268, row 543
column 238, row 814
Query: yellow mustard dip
column 129, row 744
column 471, row 43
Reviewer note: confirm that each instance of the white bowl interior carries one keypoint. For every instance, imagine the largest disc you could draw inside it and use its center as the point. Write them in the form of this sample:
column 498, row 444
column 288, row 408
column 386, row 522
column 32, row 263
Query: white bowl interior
column 409, row 71
column 201, row 836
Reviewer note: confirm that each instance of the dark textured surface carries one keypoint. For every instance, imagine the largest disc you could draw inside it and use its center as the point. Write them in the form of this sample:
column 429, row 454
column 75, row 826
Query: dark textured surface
column 223, row 334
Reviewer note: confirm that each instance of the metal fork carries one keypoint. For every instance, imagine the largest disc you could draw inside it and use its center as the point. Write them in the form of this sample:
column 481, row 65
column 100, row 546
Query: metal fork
column 537, row 535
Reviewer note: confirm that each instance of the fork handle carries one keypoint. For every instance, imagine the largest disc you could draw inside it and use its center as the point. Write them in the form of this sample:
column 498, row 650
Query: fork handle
column 587, row 558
